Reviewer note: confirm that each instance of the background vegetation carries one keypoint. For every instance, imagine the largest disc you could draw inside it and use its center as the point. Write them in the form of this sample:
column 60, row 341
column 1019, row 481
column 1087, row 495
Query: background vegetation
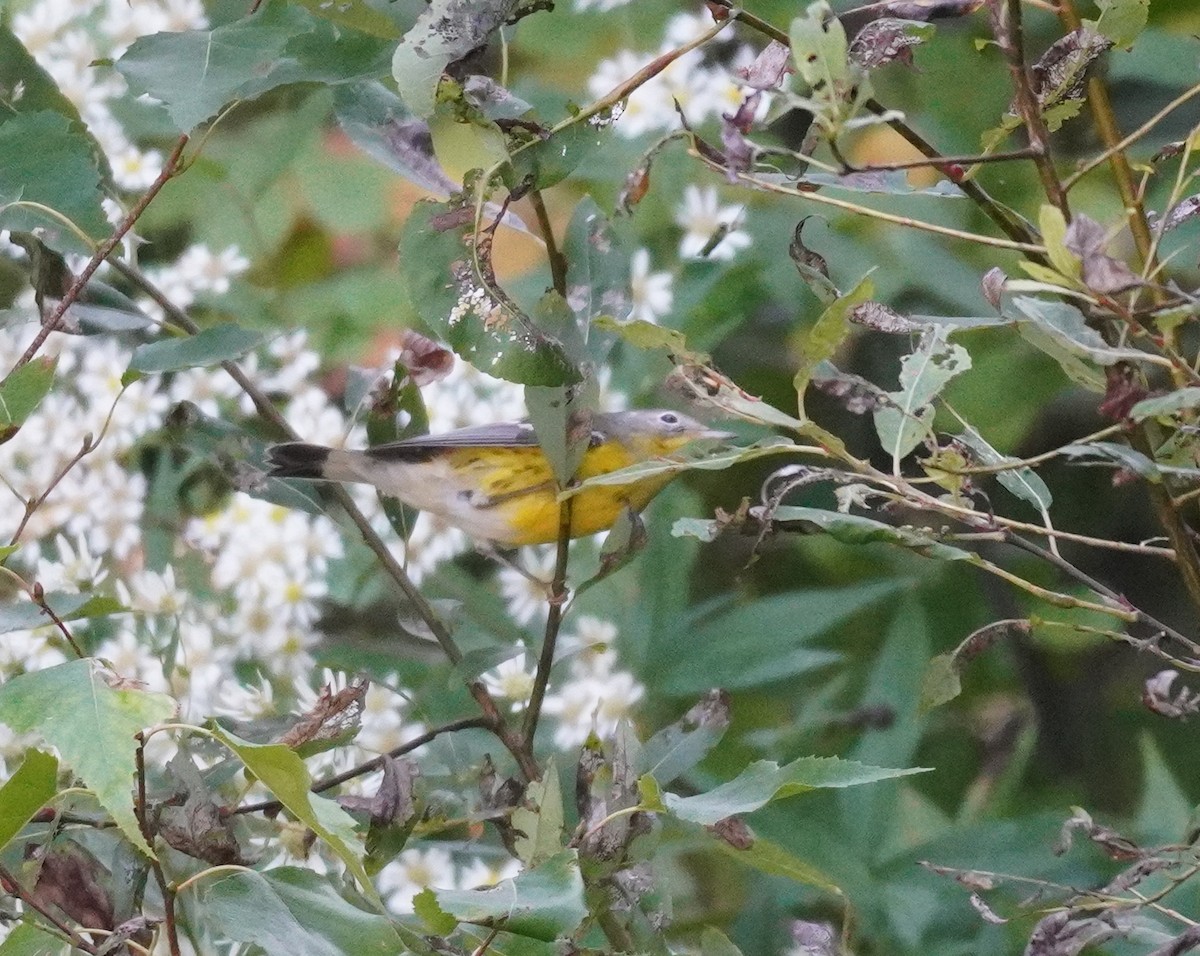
column 953, row 535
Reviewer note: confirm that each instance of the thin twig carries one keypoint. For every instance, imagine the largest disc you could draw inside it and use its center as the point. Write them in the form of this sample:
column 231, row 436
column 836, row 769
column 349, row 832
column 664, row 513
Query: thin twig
column 1123, row 144
column 168, row 894
column 1010, row 37
column 102, row 252
column 558, row 264
column 554, row 616
column 867, row 211
column 371, row 765
column 974, row 159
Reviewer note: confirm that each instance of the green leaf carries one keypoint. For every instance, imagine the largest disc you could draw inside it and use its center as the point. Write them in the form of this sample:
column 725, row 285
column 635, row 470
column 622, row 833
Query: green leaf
column 942, row 681
column 291, row 910
column 908, row 421
column 436, row 919
column 597, row 267
column 29, row 939
column 677, row 748
column 379, row 123
column 73, row 708
column 283, row 772
column 828, row 333
column 1066, row 326
column 20, row 71
column 715, row 943
column 365, row 16
column 444, row 33
column 209, row 347
column 1053, row 227
column 772, row 859
column 197, row 72
column 767, row 640
column 445, row 293
column 544, row 903
column 1164, row 406
column 540, row 827
column 71, row 185
column 21, row 393
column 855, row 529
column 821, row 55
column 764, row 781
column 24, row 793
column 1122, row 456
column 542, row 163
column 646, row 335
column 68, row 607
column 1122, row 20
column 650, row 795
column 1023, row 482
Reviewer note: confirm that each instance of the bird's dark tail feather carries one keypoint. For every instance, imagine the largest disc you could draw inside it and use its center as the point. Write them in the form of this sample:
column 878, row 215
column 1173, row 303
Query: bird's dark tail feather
column 297, row 460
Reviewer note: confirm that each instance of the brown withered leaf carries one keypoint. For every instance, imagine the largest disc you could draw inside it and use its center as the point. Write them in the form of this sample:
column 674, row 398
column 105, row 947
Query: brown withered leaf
column 334, row 717
column 197, row 829
column 989, row 915
column 812, row 939
column 1122, row 390
column 812, row 266
column 393, row 800
column 637, row 184
column 1116, row 846
column 1184, row 210
column 1064, row 933
column 739, row 151
column 993, row 286
column 1060, row 73
column 1087, row 239
column 73, row 880
column 425, row 359
column 855, row 393
column 772, row 64
column 1157, row 696
column 886, row 40
column 733, row 830
column 877, row 316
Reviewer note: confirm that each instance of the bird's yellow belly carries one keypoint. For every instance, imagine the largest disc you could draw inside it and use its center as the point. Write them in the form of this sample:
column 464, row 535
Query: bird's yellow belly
column 508, row 495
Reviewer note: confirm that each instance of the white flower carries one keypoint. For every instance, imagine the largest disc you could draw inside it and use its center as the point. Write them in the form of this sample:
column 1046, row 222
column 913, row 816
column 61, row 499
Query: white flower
column 413, row 871
column 652, row 295
column 153, row 593
column 134, row 169
column 595, row 699
column 600, row 6
column 704, row 221
column 75, row 568
column 511, row 680
column 480, row 874
column 526, row 590
column 206, row 271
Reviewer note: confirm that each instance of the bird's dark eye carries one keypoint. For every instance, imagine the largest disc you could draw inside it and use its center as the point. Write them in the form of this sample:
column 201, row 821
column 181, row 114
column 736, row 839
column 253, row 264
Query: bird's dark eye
column 669, row 418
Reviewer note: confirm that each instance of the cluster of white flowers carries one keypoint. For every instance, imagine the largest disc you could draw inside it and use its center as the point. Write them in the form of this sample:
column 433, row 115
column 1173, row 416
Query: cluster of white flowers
column 67, row 37
column 593, row 697
column 702, row 89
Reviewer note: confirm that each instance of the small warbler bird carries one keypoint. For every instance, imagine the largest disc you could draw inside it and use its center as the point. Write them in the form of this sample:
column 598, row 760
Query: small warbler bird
column 494, row 481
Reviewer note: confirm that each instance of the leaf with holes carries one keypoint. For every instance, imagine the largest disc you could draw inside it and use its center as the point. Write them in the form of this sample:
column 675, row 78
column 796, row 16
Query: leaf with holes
column 908, row 421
